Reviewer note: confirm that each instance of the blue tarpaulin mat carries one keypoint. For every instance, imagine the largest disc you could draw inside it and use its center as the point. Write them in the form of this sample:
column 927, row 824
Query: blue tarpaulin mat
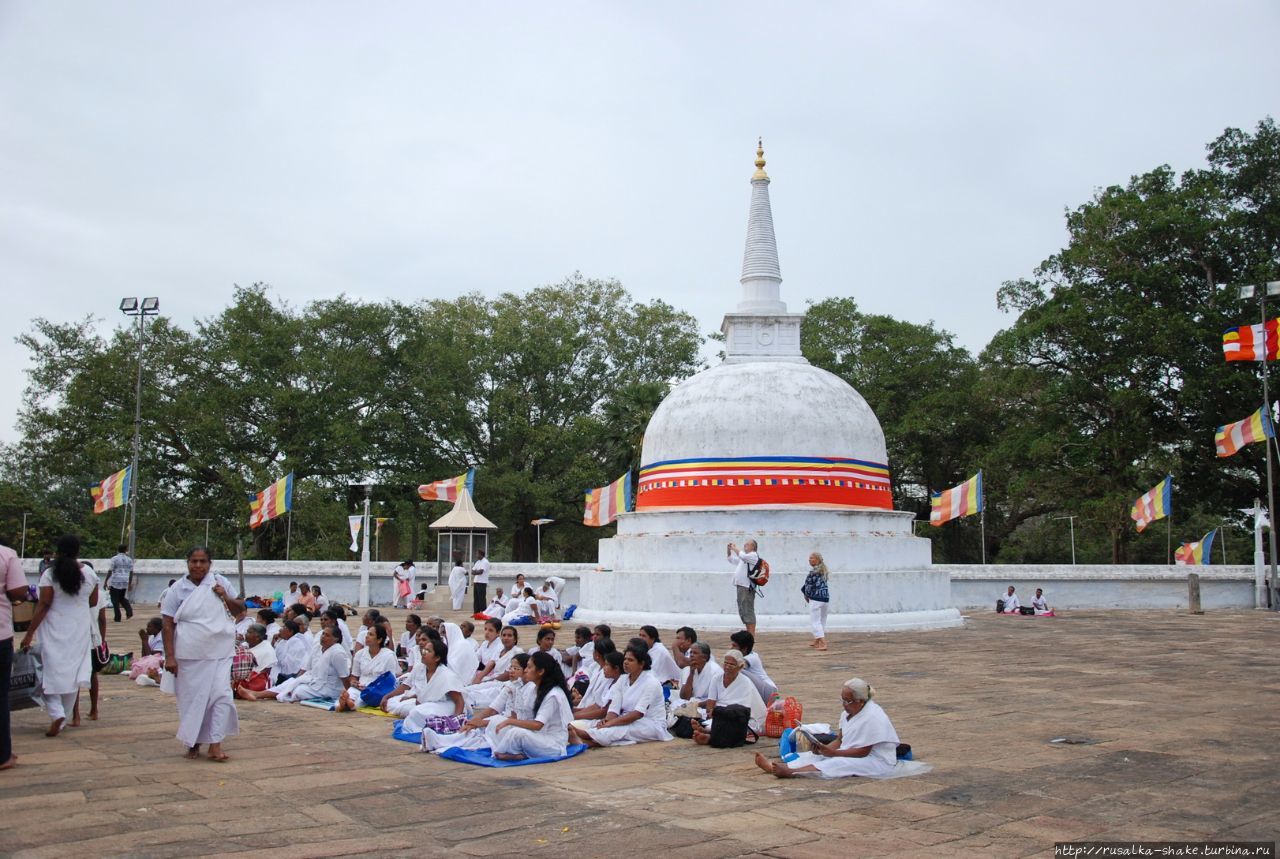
column 399, row 733
column 483, row 757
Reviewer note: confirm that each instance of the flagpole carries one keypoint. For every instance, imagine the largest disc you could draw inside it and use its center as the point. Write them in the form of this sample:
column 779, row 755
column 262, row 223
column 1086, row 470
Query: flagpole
column 1169, row 541
column 982, row 523
column 288, row 534
column 1271, row 495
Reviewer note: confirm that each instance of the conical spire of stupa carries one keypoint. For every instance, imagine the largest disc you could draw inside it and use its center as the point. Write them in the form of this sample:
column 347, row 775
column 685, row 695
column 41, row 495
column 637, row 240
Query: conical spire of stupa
column 761, row 275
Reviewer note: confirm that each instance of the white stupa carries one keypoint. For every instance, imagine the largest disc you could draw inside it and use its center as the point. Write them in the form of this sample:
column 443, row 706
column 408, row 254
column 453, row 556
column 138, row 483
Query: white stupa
column 765, row 446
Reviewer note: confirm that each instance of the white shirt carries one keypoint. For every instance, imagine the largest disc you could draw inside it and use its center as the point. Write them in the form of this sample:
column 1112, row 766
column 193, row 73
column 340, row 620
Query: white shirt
column 322, row 604
column 1011, row 603
column 242, row 625
column 121, row 570
column 1039, row 604
column 664, row 664
column 489, row 651
column 291, row 654
column 707, row 682
column 480, row 570
column 644, row 695
column 754, row 670
column 741, row 561
column 368, row 668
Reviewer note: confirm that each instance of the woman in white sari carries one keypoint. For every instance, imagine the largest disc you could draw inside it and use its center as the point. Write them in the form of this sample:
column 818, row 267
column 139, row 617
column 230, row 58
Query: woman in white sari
column 65, row 614
column 866, row 745
column 637, row 709
column 371, row 661
column 462, row 656
column 514, row 700
column 522, row 604
column 731, row 687
column 458, row 584
column 496, row 673
column 490, row 648
column 199, row 643
column 607, row 661
column 546, row 735
column 437, row 691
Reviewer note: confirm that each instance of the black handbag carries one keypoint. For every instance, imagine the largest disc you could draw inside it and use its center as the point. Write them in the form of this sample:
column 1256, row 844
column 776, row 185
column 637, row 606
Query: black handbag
column 1000, row 606
column 730, row 726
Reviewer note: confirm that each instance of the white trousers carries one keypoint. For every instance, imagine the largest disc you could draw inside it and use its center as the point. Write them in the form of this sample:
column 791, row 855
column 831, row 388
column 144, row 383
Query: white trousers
column 818, row 618
column 59, row 704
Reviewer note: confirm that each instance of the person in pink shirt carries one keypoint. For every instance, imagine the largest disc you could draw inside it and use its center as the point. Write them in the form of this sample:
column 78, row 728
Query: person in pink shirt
column 13, row 588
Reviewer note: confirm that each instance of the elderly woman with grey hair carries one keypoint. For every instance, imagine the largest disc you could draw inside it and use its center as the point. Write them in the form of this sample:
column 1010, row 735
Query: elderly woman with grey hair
column 732, row 687
column 866, row 744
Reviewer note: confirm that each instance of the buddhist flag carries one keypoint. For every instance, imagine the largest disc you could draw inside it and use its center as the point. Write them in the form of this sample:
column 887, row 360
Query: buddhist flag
column 1196, row 553
column 447, row 490
column 272, row 501
column 377, row 531
column 1231, row 437
column 112, row 492
column 962, row 500
column 604, row 504
column 1156, row 504
column 1251, row 342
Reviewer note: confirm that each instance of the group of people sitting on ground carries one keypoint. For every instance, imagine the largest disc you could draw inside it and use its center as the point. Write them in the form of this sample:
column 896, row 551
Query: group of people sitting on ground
column 1008, row 603
column 462, row 691
column 540, row 605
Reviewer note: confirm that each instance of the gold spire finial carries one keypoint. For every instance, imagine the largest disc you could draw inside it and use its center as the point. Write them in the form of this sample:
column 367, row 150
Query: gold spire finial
column 759, row 174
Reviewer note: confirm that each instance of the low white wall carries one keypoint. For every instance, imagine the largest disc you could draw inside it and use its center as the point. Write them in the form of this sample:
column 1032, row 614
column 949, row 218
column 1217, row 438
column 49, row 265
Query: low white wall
column 1071, row 586
column 973, row 586
column 338, row 580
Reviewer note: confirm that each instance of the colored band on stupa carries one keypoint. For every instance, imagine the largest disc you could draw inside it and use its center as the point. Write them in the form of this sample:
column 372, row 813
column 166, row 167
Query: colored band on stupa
column 734, row 481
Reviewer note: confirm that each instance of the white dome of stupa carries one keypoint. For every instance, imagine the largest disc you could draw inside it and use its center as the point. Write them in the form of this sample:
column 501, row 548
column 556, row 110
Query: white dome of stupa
column 765, row 427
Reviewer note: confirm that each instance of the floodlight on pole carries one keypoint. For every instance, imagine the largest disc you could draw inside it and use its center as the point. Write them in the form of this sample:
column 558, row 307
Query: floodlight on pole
column 131, row 307
column 538, row 523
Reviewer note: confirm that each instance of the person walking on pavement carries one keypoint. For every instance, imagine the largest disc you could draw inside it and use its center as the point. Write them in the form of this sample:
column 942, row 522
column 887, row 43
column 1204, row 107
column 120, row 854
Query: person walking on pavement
column 120, row 582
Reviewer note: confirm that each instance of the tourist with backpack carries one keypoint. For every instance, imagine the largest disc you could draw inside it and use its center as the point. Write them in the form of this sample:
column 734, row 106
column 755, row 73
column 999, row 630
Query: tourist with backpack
column 747, row 573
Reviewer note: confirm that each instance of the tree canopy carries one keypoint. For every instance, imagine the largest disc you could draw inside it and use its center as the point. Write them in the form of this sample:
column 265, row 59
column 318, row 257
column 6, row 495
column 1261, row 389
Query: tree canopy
column 1109, row 377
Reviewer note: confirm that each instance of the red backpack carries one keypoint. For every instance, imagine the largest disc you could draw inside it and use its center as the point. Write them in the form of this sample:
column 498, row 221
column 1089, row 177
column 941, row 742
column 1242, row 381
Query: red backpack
column 759, row 574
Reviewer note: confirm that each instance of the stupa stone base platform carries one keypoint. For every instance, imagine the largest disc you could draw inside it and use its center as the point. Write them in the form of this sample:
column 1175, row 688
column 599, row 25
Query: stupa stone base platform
column 668, row 568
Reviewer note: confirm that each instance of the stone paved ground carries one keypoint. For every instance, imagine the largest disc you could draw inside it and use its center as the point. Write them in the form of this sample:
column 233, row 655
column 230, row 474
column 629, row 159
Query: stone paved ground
column 1181, row 714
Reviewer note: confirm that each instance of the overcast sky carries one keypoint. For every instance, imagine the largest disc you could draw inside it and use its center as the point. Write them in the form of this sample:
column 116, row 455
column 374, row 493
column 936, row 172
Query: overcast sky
column 921, row 152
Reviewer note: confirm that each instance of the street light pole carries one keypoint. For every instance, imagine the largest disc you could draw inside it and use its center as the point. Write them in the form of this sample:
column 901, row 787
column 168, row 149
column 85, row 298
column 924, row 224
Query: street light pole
column 1072, row 520
column 364, row 551
column 132, row 307
column 206, row 530
column 23, row 552
column 538, row 523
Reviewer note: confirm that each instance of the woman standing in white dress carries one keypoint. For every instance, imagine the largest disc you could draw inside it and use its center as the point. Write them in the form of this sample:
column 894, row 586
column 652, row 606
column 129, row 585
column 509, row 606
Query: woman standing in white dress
column 546, row 735
column 65, row 613
column 637, row 708
column 867, row 744
column 458, row 584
